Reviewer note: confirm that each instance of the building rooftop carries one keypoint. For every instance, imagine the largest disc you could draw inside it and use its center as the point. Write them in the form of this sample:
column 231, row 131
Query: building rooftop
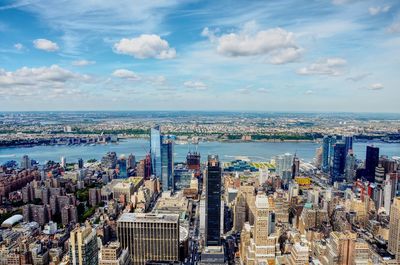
column 149, row 218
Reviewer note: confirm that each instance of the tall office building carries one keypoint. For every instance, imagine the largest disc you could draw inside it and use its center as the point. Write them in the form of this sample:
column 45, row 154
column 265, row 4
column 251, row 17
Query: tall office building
column 131, row 162
column 295, row 166
column 167, row 164
column 371, row 162
column 394, row 229
column 339, row 161
column 327, row 152
column 83, row 247
column 213, row 202
column 80, row 163
column 155, row 150
column 348, row 141
column 149, row 236
column 284, row 166
column 25, row 162
column 122, row 167
column 349, row 170
column 63, row 162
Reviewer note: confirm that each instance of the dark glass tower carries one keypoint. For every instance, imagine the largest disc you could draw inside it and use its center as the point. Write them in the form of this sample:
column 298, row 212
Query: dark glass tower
column 167, row 164
column 327, row 152
column 348, row 140
column 371, row 162
column 339, row 162
column 213, row 202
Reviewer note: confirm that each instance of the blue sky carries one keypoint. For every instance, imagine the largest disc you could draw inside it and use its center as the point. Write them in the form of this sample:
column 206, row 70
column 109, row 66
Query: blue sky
column 311, row 55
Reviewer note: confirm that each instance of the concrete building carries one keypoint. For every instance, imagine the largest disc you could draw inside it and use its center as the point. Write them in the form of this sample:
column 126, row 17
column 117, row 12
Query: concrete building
column 394, row 229
column 83, row 247
column 299, row 254
column 113, row 254
column 149, row 236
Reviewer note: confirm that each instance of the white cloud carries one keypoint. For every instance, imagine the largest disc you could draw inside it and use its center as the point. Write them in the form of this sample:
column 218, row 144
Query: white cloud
column 195, row 84
column 145, row 46
column 82, row 62
column 359, row 77
column 18, row 46
column 246, row 43
column 42, row 80
column 263, row 90
column 309, row 92
column 286, row 55
column 394, row 27
column 328, row 66
column 244, row 91
column 376, row 86
column 45, row 45
column 126, row 74
column 157, row 80
column 373, row 11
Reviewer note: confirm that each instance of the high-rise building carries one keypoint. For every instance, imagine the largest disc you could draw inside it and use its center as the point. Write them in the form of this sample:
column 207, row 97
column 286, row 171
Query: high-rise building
column 295, row 166
column 394, row 229
column 193, row 161
column 339, row 161
column 327, row 152
column 131, row 162
column 213, row 202
column 80, row 163
column 284, row 167
column 63, row 162
column 318, row 157
column 25, row 162
column 155, row 150
column 113, row 254
column 122, row 167
column 371, row 162
column 349, row 170
column 83, row 247
column 149, row 236
column 348, row 141
column 167, row 164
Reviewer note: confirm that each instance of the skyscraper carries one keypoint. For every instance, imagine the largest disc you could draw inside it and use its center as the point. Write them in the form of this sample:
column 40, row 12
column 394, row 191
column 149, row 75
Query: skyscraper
column 327, row 152
column 348, row 141
column 131, row 162
column 155, row 150
column 167, row 164
column 80, row 163
column 25, row 162
column 213, row 202
column 371, row 162
column 394, row 229
column 122, row 167
column 339, row 161
column 349, row 170
column 83, row 246
column 149, row 236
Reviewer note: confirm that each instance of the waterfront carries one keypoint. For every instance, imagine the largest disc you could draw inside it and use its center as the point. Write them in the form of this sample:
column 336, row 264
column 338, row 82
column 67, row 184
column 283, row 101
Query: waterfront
column 256, row 151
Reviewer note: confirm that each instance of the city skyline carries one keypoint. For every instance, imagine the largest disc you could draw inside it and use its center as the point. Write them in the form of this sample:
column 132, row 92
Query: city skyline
column 175, row 55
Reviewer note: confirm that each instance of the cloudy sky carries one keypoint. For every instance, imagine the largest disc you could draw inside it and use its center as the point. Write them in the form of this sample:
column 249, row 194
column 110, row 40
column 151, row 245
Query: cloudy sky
column 310, row 55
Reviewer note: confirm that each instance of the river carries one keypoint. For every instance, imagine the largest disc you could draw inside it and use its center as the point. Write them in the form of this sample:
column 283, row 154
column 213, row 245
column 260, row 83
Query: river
column 227, row 151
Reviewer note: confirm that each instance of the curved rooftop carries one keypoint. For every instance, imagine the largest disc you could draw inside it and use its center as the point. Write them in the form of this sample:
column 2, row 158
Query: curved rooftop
column 12, row 220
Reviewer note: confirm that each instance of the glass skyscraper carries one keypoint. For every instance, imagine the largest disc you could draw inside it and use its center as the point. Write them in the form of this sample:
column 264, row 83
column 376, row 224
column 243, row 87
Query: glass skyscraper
column 371, row 162
column 213, row 202
column 167, row 164
column 339, row 162
column 327, row 152
column 155, row 150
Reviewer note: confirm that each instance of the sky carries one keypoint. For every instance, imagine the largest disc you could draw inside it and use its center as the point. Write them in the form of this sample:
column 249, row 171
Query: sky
column 287, row 55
